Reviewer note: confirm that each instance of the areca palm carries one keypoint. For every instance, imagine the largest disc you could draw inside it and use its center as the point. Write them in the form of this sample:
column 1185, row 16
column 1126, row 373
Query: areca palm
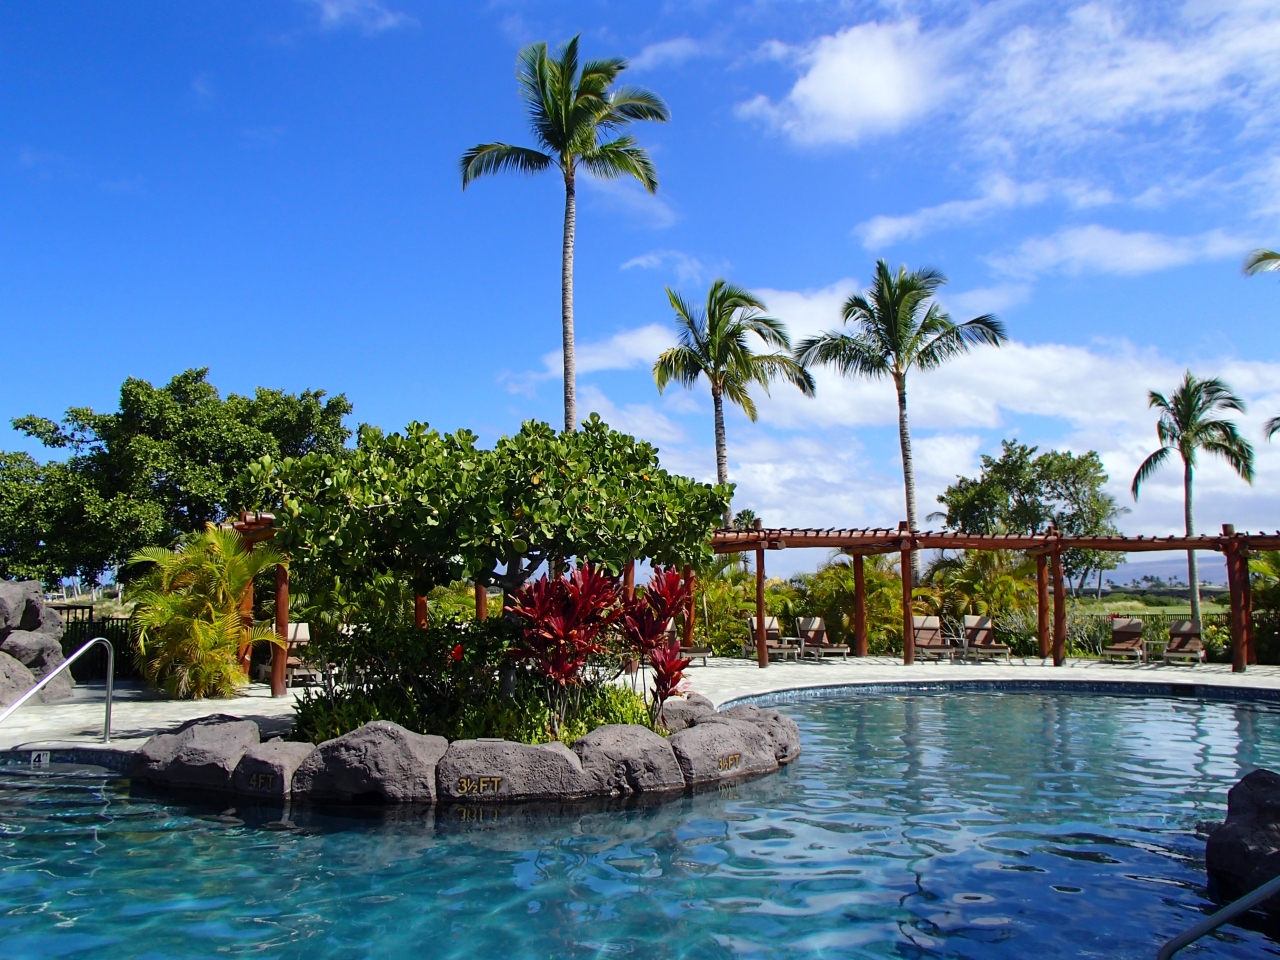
column 191, row 634
column 899, row 326
column 570, row 109
column 1188, row 425
column 715, row 342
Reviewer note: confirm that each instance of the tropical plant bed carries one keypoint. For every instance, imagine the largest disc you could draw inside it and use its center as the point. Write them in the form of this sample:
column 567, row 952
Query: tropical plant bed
column 382, row 762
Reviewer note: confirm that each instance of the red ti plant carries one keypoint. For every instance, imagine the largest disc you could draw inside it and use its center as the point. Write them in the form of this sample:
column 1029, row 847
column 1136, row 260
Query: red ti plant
column 563, row 620
column 645, row 624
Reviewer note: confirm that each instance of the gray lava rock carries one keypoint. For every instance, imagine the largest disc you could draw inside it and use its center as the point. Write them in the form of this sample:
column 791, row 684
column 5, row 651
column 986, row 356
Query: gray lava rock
column 200, row 753
column 698, row 699
column 267, row 769
column 381, row 762
column 40, row 653
column 30, row 632
column 16, row 596
column 627, row 759
column 1244, row 852
column 780, row 729
column 15, row 680
column 487, row 770
column 678, row 714
column 720, row 748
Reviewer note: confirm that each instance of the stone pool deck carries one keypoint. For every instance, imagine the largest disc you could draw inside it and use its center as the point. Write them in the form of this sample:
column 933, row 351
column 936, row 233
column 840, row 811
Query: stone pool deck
column 138, row 714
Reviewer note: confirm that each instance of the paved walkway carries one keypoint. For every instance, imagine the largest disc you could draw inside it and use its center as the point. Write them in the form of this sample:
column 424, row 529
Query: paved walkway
column 137, row 714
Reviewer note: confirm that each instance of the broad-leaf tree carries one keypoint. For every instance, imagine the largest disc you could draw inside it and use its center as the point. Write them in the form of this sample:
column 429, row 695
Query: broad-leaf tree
column 715, row 342
column 898, row 326
column 170, row 460
column 1189, row 423
column 577, row 115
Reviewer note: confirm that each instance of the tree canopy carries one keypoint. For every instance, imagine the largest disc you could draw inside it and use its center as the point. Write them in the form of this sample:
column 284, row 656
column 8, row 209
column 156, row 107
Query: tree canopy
column 1022, row 492
column 169, row 461
column 427, row 508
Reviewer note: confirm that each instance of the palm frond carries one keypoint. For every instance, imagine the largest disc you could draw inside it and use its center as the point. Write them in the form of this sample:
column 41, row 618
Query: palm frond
column 851, row 354
column 490, row 158
column 619, row 158
column 1271, row 427
column 1148, row 468
column 1262, row 261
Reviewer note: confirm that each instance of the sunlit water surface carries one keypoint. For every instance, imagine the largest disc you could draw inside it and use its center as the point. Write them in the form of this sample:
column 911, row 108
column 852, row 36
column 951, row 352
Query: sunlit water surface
column 970, row 825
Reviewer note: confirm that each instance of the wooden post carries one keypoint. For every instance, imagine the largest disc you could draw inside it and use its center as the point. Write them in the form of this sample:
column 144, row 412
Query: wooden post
column 280, row 655
column 689, row 608
column 1247, row 590
column 908, row 624
column 762, row 650
column 629, row 580
column 246, row 619
column 859, row 606
column 1042, row 604
column 419, row 611
column 1059, row 611
column 1239, row 638
column 482, row 601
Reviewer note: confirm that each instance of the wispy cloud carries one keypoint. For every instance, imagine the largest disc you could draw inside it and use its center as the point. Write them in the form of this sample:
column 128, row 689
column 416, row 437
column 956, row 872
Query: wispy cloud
column 998, row 193
column 369, row 16
column 667, row 52
column 1097, row 249
column 623, row 351
column 688, row 269
column 628, row 197
column 637, row 419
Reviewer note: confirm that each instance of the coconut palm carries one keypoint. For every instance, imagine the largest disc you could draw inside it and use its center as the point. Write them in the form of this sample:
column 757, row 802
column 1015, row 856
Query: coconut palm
column 192, row 637
column 1188, row 425
column 1262, row 261
column 570, row 109
column 899, row 326
column 715, row 342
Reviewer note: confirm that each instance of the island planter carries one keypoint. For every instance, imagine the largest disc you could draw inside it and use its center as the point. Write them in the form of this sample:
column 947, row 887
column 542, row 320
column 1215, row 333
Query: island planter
column 383, row 763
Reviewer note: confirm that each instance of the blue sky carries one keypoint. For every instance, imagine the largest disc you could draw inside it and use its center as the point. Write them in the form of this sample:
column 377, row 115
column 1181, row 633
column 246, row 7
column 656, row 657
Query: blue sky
column 271, row 189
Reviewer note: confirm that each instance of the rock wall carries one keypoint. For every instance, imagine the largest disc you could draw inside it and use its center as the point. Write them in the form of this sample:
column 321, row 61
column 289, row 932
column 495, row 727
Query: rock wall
column 1244, row 853
column 384, row 763
column 30, row 643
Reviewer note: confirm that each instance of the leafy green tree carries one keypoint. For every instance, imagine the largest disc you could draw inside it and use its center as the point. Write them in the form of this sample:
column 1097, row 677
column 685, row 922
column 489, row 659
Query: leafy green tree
column 570, row 109
column 1021, row 492
column 25, row 489
column 171, row 460
column 192, row 638
column 429, row 508
column 1187, row 425
column 898, row 326
column 715, row 342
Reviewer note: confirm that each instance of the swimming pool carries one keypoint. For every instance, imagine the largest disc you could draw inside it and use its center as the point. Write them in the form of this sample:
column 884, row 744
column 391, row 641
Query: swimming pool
column 919, row 825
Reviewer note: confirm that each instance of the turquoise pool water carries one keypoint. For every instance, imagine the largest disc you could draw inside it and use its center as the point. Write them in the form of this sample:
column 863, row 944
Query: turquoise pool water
column 959, row 825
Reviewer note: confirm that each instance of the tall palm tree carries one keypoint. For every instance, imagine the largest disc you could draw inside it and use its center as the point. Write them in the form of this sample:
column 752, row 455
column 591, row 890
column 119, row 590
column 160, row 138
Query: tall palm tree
column 570, row 109
column 1262, row 261
column 1187, row 425
column 899, row 326
column 715, row 343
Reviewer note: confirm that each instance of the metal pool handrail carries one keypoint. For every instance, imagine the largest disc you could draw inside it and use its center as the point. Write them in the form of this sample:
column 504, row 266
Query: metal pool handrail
column 1225, row 915
column 66, row 664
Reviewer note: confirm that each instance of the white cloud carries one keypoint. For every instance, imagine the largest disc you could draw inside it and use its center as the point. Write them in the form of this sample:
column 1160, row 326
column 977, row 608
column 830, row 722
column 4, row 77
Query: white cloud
column 688, row 269
column 675, row 51
column 623, row 351
column 638, row 419
column 1097, row 249
column 369, row 16
column 988, row 299
column 998, row 193
column 864, row 80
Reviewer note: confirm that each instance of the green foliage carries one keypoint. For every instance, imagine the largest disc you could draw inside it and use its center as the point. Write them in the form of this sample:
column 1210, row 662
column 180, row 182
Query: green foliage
column 192, row 640
column 976, row 583
column 447, row 680
column 1024, row 493
column 428, row 508
column 169, row 461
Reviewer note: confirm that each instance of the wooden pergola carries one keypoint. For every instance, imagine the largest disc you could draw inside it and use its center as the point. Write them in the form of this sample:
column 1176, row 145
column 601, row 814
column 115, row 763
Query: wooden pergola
column 1047, row 549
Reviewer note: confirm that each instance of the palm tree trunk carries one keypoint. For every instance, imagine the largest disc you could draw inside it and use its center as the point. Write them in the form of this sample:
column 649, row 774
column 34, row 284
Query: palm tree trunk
column 908, row 467
column 566, row 304
column 722, row 453
column 1193, row 565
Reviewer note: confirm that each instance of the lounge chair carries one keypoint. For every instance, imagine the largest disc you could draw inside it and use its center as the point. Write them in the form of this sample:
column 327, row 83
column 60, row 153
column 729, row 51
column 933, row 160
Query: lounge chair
column 1126, row 640
column 296, row 668
column 774, row 641
column 1185, row 643
column 930, row 643
column 691, row 652
column 813, row 639
column 980, row 639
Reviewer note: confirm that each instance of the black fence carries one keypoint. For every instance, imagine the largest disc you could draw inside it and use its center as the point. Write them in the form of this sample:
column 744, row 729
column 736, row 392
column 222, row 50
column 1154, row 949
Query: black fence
column 81, row 627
